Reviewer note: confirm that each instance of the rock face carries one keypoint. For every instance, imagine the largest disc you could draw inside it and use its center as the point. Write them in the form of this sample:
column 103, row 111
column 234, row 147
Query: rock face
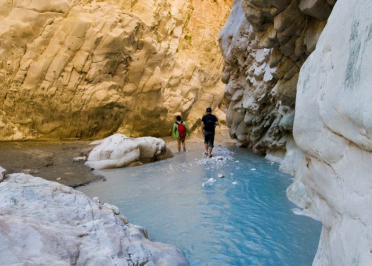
column 88, row 69
column 264, row 44
column 119, row 151
column 45, row 223
column 333, row 129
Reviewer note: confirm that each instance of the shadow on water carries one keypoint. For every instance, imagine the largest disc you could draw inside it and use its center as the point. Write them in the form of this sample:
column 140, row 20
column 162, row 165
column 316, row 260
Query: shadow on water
column 241, row 219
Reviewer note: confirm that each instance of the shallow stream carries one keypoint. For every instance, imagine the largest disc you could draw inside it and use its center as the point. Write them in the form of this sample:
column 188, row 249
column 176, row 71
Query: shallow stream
column 243, row 218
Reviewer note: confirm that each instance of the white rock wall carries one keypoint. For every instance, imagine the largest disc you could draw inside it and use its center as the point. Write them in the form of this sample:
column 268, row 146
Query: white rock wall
column 44, row 223
column 88, row 69
column 264, row 44
column 333, row 129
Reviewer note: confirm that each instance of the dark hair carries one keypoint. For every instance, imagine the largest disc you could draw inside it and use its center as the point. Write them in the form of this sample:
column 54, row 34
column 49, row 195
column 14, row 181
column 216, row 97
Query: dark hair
column 208, row 110
column 178, row 118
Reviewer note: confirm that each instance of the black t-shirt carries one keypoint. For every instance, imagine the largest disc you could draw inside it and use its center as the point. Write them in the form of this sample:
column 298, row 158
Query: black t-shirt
column 209, row 121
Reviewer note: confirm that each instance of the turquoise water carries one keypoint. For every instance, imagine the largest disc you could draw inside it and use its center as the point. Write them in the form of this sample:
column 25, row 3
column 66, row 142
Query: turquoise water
column 241, row 219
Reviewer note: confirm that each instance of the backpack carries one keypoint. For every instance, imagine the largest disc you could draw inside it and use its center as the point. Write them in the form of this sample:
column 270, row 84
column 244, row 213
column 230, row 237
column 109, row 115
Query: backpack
column 181, row 129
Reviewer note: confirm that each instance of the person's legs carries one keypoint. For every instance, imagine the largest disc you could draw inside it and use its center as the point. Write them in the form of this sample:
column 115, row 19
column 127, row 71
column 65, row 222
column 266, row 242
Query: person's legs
column 183, row 140
column 179, row 145
column 210, row 151
column 211, row 145
column 206, row 144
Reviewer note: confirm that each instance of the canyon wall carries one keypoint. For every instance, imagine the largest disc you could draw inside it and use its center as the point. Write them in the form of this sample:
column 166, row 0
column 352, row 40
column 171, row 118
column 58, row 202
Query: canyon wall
column 299, row 83
column 264, row 44
column 333, row 129
column 87, row 69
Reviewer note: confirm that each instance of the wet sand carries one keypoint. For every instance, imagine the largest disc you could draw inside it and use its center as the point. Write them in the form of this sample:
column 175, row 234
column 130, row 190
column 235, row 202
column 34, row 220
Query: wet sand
column 53, row 160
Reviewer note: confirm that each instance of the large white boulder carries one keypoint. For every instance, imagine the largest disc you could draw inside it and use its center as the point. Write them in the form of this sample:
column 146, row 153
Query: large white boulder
column 46, row 223
column 119, row 151
column 333, row 128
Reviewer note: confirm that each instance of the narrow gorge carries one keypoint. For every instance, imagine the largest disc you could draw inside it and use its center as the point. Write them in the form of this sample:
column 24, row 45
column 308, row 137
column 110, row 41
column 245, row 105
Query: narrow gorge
column 289, row 78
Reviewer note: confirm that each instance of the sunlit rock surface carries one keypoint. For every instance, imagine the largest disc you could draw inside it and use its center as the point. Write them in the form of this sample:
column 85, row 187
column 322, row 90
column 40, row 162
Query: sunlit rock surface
column 119, row 151
column 333, row 129
column 88, row 69
column 45, row 223
column 264, row 44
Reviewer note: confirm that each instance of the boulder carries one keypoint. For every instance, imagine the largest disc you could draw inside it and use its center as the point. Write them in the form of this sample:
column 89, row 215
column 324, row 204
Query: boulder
column 119, row 150
column 46, row 223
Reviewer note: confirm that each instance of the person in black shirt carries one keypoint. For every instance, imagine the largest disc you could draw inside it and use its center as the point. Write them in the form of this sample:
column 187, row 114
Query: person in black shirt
column 208, row 125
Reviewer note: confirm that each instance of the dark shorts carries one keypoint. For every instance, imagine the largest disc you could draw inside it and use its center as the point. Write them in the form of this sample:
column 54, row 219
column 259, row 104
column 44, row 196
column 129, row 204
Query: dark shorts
column 209, row 138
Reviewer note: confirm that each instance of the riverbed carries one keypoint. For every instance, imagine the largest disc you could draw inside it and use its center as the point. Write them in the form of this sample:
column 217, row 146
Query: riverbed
column 242, row 218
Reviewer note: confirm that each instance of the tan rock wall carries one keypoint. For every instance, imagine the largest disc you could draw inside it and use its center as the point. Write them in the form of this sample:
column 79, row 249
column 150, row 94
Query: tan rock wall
column 87, row 69
column 265, row 44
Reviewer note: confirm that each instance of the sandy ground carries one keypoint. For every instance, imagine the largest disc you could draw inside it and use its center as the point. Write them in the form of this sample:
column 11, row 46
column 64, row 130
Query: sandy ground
column 49, row 160
column 53, row 160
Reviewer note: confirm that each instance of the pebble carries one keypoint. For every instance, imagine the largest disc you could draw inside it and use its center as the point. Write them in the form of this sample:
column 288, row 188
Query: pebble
column 210, row 181
column 96, row 199
column 220, row 175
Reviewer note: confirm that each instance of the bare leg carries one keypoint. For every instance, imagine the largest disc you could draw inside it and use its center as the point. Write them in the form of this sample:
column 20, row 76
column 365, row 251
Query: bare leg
column 184, row 145
column 206, row 149
column 179, row 145
column 210, row 151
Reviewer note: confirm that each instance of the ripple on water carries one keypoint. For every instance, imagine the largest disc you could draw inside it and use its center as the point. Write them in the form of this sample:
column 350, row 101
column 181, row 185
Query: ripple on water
column 241, row 219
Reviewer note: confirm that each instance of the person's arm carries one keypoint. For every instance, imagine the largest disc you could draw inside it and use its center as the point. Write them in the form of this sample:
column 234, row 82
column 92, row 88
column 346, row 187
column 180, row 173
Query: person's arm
column 202, row 127
column 174, row 134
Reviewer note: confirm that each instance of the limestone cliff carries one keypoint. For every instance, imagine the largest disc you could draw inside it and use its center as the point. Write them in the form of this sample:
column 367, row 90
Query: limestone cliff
column 333, row 129
column 264, row 44
column 87, row 69
column 276, row 68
